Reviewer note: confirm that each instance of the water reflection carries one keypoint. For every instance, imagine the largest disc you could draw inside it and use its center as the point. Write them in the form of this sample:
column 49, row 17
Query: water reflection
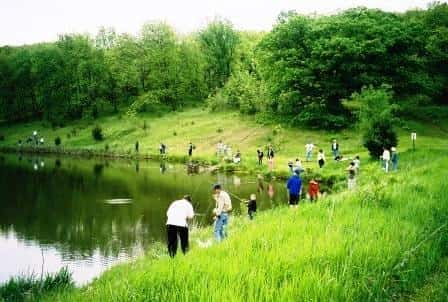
column 56, row 207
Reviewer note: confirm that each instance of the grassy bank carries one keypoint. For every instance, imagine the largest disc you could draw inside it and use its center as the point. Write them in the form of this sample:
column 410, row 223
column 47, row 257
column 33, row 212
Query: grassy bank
column 378, row 243
column 32, row 287
column 204, row 130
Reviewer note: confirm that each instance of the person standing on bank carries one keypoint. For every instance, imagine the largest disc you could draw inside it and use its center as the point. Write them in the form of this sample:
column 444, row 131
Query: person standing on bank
column 386, row 159
column 309, row 151
column 190, row 149
column 294, row 187
column 335, row 149
column 177, row 226
column 251, row 206
column 394, row 158
column 321, row 158
column 221, row 211
column 351, row 180
column 260, row 156
column 271, row 157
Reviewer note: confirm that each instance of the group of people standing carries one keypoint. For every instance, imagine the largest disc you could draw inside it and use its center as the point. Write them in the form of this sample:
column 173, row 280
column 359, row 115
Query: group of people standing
column 181, row 211
column 34, row 139
column 389, row 157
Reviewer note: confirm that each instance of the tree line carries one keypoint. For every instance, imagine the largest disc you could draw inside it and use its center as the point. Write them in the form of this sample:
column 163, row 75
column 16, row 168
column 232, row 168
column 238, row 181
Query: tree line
column 303, row 70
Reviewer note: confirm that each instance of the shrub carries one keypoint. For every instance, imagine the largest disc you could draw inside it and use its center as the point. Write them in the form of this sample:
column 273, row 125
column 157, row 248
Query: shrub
column 57, row 141
column 174, row 133
column 217, row 102
column 380, row 135
column 376, row 118
column 219, row 130
column 97, row 133
column 2, row 137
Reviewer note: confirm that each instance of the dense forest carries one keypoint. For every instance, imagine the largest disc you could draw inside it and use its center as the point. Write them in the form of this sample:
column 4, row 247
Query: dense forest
column 303, row 70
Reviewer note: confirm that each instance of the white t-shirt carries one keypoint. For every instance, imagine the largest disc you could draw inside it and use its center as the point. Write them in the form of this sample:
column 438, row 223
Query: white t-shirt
column 320, row 156
column 386, row 155
column 309, row 147
column 178, row 212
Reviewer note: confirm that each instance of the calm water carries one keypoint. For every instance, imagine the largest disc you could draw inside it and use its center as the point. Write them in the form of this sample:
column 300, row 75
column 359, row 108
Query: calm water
column 53, row 211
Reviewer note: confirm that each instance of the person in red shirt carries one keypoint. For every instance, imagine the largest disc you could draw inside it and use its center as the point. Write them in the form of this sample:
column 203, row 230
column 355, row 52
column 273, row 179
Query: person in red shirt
column 313, row 189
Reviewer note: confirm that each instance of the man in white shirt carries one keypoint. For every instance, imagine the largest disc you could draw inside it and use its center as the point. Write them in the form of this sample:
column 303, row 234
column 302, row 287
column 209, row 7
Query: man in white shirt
column 222, row 210
column 178, row 213
column 309, row 151
column 386, row 159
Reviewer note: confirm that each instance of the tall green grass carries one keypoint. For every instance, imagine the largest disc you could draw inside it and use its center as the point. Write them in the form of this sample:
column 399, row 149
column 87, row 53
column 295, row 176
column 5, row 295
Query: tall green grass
column 378, row 243
column 31, row 287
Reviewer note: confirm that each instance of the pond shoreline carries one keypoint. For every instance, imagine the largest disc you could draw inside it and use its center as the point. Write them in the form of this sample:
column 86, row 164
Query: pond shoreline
column 202, row 164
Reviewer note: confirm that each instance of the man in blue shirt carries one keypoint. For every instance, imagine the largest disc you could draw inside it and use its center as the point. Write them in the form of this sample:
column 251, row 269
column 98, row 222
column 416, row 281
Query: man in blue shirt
column 294, row 187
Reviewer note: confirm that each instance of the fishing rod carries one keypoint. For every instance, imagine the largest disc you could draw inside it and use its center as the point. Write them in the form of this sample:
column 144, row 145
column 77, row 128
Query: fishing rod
column 234, row 195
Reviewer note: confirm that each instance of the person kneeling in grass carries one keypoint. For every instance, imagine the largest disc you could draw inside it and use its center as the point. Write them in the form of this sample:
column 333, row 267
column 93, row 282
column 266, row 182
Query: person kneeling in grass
column 178, row 213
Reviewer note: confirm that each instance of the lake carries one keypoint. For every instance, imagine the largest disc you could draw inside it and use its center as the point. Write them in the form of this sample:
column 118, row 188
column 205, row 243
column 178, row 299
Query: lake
column 63, row 212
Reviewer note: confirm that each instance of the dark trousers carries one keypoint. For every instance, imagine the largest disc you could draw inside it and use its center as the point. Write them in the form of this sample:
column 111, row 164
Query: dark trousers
column 173, row 231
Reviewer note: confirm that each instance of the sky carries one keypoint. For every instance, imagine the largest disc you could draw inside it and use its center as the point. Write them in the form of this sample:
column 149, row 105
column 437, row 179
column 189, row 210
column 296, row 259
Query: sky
column 31, row 21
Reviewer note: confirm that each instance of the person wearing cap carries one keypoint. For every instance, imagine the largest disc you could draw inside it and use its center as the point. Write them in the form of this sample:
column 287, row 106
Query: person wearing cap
column 294, row 187
column 177, row 226
column 221, row 211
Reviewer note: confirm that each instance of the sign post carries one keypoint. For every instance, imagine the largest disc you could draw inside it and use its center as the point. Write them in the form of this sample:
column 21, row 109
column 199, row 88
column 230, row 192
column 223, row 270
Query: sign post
column 413, row 138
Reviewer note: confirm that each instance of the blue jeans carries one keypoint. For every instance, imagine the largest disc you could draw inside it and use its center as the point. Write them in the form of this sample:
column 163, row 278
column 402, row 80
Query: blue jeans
column 394, row 165
column 308, row 155
column 221, row 226
column 335, row 153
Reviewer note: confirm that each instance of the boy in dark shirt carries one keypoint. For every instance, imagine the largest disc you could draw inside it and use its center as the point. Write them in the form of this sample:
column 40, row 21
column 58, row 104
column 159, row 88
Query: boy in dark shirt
column 260, row 156
column 251, row 206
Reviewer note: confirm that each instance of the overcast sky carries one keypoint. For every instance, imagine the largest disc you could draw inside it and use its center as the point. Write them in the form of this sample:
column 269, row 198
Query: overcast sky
column 30, row 21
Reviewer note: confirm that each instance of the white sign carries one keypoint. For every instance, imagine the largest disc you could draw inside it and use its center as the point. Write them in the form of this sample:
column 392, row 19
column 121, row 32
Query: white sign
column 413, row 136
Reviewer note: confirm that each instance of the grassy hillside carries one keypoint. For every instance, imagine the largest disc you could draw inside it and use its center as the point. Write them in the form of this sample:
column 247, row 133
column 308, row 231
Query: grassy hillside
column 205, row 129
column 378, row 243
column 383, row 241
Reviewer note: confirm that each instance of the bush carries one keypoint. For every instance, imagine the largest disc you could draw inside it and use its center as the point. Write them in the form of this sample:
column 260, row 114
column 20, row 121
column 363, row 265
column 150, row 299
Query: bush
column 380, row 135
column 376, row 118
column 57, row 141
column 97, row 133
column 217, row 102
column 2, row 137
